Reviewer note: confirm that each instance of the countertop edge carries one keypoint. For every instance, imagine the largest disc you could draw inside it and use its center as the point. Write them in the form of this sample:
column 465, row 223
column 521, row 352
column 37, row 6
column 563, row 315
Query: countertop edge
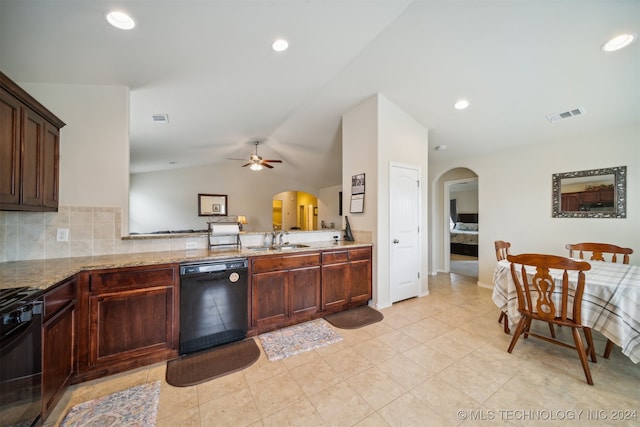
column 43, row 274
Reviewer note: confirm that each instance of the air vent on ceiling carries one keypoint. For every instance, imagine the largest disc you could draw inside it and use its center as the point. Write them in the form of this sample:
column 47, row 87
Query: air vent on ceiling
column 565, row 115
column 160, row 118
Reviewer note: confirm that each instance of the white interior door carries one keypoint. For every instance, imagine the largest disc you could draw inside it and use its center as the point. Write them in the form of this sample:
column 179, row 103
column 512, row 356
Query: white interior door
column 404, row 232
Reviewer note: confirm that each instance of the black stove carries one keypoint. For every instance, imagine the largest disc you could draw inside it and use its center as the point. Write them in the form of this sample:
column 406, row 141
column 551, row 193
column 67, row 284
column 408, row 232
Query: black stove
column 20, row 356
column 15, row 296
column 16, row 306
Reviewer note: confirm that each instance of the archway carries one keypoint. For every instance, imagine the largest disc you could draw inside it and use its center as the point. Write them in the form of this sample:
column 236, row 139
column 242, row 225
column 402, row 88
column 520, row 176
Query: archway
column 295, row 210
column 461, row 185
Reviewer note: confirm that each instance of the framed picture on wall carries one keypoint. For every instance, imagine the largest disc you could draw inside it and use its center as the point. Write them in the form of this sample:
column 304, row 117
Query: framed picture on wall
column 357, row 184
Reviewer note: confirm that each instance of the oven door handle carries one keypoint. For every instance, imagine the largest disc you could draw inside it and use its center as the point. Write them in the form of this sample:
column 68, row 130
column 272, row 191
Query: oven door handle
column 14, row 337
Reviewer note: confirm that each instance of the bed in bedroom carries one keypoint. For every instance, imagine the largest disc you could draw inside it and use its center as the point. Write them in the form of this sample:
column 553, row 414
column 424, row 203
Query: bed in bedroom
column 464, row 235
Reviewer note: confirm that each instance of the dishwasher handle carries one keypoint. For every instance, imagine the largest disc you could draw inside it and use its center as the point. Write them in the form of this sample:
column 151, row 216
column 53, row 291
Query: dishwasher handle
column 213, row 267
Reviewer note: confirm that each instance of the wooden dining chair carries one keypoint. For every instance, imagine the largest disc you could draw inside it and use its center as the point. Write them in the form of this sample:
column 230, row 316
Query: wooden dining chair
column 600, row 252
column 536, row 301
column 502, row 251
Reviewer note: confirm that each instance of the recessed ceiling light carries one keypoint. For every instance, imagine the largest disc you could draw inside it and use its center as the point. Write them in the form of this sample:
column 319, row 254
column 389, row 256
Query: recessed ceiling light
column 280, row 45
column 441, row 147
column 120, row 20
column 618, row 42
column 461, row 104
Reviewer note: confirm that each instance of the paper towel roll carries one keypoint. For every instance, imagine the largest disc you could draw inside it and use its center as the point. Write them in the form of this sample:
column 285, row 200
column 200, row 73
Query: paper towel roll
column 225, row 229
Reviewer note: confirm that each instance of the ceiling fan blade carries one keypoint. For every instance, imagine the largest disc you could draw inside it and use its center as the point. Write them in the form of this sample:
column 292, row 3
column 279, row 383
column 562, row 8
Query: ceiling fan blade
column 250, row 163
column 267, row 165
column 273, row 161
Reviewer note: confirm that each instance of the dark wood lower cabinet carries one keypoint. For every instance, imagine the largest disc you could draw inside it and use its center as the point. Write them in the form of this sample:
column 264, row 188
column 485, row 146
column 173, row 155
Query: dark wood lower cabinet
column 346, row 278
column 58, row 338
column 284, row 290
column 129, row 318
column 291, row 289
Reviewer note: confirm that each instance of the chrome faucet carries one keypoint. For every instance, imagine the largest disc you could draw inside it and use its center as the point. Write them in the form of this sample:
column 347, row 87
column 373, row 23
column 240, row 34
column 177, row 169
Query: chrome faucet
column 279, row 237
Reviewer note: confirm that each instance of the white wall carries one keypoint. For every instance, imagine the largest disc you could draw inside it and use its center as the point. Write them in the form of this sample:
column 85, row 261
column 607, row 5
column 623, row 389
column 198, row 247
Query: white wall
column 466, row 201
column 515, row 197
column 377, row 133
column 94, row 167
column 328, row 206
column 94, row 144
column 170, row 197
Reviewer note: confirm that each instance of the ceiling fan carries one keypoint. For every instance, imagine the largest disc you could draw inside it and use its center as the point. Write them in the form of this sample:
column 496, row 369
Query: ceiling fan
column 256, row 162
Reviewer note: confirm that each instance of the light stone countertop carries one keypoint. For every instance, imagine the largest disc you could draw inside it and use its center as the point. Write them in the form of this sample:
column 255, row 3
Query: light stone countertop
column 43, row 274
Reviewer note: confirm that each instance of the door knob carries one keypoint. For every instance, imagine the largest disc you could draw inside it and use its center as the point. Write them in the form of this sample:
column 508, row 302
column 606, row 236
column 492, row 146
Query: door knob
column 396, row 241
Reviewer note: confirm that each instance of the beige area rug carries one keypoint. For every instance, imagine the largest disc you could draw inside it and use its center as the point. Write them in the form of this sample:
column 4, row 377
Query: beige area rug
column 298, row 339
column 464, row 265
column 134, row 407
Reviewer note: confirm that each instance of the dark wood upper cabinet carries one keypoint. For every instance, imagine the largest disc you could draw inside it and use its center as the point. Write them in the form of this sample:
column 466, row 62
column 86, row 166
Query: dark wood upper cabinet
column 29, row 151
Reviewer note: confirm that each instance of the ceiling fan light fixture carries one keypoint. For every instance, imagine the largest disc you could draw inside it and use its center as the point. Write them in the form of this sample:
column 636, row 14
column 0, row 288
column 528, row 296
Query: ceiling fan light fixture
column 120, row 20
column 256, row 167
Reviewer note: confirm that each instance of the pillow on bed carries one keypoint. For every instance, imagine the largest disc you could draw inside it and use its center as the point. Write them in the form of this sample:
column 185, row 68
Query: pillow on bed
column 466, row 226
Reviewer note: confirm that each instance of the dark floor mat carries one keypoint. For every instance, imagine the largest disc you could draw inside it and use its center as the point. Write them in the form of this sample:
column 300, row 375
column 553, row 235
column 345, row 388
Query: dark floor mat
column 354, row 318
column 206, row 365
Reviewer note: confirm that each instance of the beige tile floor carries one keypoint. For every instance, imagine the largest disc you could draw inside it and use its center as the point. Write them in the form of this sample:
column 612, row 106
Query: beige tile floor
column 440, row 360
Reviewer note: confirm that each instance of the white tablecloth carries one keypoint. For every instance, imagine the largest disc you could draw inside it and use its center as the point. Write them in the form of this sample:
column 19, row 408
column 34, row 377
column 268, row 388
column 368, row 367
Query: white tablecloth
column 610, row 304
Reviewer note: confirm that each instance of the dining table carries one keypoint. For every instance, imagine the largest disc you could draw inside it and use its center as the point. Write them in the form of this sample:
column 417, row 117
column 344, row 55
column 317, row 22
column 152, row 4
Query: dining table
column 610, row 302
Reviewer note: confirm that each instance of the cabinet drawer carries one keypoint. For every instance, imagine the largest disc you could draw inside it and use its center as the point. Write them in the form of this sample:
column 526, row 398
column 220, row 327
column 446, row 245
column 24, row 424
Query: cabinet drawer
column 132, row 278
column 58, row 297
column 359, row 254
column 335, row 257
column 276, row 263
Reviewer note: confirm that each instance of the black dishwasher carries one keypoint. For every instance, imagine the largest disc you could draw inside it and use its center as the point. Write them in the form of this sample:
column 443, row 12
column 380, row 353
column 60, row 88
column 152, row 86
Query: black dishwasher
column 213, row 304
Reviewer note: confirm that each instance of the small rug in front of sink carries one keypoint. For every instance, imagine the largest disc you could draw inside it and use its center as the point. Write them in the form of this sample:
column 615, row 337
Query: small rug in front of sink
column 135, row 407
column 298, row 339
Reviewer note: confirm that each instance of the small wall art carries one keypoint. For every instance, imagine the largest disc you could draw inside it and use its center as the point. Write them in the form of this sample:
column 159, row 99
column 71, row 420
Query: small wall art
column 357, row 203
column 357, row 184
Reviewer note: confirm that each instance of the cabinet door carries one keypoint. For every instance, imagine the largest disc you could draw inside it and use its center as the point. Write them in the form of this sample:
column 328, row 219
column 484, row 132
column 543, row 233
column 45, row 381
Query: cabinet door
column 9, row 148
column 570, row 203
column 589, row 197
column 129, row 324
column 33, row 129
column 607, row 196
column 335, row 284
column 50, row 161
column 304, row 291
column 58, row 359
column 270, row 298
column 360, row 284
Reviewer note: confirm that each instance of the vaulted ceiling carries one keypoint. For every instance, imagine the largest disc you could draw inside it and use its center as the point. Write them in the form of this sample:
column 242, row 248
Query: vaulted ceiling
column 209, row 66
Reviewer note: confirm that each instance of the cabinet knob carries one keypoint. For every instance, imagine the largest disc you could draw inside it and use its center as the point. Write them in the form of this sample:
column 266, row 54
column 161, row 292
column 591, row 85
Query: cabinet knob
column 396, row 241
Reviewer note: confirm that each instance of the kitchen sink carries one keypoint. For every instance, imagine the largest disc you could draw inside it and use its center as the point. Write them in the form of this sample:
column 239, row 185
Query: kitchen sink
column 277, row 247
column 291, row 246
column 259, row 248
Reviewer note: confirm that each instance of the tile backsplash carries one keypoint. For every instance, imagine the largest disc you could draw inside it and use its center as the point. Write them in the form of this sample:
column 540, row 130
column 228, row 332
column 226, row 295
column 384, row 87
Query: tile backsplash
column 32, row 235
column 96, row 231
